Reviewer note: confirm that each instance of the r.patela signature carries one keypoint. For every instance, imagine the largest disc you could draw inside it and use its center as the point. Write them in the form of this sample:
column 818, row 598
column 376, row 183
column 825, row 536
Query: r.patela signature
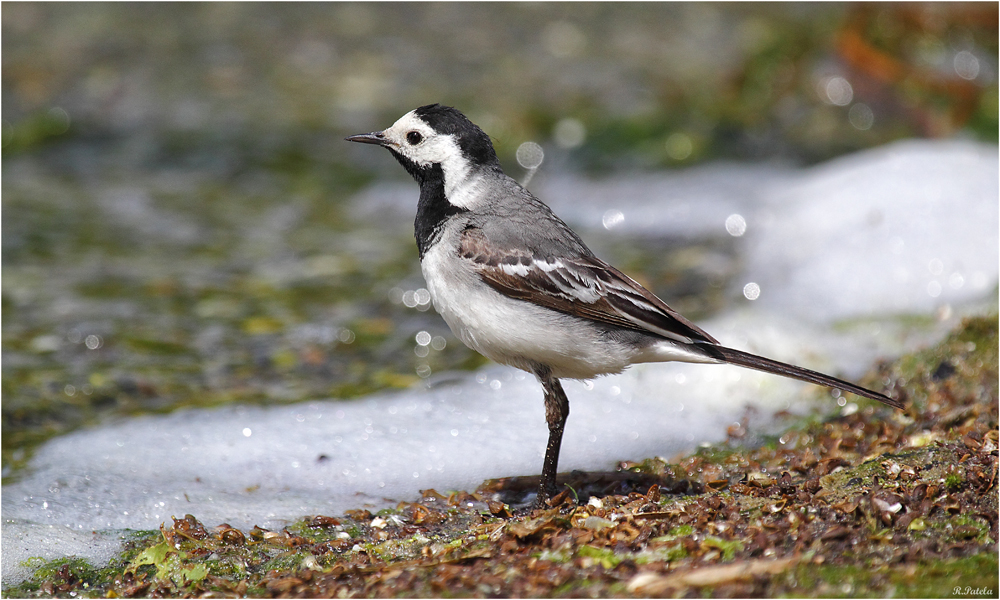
column 971, row 591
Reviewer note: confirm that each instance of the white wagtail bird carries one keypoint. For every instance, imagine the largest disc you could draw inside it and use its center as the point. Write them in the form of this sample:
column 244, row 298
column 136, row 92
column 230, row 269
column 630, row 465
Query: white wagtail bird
column 517, row 285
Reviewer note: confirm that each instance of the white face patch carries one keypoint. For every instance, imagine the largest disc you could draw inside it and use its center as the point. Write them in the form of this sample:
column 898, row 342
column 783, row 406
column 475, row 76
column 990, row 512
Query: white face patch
column 417, row 141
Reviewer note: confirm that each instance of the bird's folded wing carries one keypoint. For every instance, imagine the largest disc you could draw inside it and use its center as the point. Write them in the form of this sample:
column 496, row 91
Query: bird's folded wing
column 583, row 286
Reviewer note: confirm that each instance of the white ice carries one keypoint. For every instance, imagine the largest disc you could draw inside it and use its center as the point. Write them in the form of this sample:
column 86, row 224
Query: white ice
column 909, row 228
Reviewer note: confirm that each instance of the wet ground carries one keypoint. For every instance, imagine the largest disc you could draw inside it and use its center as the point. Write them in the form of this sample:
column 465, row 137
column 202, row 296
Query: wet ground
column 867, row 502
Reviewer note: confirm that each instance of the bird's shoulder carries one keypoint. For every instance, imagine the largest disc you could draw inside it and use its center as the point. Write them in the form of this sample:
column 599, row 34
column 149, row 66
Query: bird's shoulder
column 513, row 222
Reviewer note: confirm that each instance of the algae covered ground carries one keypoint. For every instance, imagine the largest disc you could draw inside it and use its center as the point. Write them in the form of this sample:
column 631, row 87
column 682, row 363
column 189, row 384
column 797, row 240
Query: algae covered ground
column 865, row 501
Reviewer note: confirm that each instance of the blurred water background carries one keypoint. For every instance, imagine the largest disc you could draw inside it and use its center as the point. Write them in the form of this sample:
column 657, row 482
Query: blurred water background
column 183, row 226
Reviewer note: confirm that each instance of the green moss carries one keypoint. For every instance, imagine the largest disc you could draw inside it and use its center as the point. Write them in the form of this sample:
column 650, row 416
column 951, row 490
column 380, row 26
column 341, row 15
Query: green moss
column 966, row 527
column 556, row 556
column 728, row 548
column 716, row 453
column 669, row 553
column 937, row 579
column 170, row 564
column 354, row 532
column 285, row 561
column 232, row 568
column 75, row 575
column 606, row 557
column 680, row 530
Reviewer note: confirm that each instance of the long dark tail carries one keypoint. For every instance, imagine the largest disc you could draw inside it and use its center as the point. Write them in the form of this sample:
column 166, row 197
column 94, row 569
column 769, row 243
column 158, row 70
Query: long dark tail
column 752, row 361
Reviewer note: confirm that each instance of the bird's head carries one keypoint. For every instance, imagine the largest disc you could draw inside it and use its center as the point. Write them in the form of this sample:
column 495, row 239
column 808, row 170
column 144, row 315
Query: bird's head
column 432, row 138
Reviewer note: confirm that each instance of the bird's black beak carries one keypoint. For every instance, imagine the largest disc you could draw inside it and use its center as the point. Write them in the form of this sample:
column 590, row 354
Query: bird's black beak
column 375, row 137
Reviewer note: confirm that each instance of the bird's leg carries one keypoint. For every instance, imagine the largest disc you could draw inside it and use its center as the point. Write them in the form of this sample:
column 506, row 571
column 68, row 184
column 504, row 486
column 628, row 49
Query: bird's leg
column 556, row 411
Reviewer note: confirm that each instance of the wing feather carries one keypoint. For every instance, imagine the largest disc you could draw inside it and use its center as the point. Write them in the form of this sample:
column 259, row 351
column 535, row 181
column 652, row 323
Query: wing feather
column 583, row 286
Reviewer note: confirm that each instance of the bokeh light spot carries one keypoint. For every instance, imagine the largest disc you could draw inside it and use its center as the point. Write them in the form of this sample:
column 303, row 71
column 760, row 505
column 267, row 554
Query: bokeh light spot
column 836, row 90
column 861, row 116
column 569, row 133
column 679, row 146
column 530, row 155
column 966, row 65
column 736, row 225
column 612, row 218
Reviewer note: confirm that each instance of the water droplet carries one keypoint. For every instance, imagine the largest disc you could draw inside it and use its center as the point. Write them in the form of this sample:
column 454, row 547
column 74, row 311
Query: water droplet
column 423, row 338
column 751, row 291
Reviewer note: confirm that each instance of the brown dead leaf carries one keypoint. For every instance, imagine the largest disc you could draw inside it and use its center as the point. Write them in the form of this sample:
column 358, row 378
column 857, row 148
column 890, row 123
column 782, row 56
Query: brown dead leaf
column 529, row 527
column 321, row 521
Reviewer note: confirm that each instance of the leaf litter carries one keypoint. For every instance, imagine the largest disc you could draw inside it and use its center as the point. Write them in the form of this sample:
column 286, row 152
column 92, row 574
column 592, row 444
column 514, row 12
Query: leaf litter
column 866, row 501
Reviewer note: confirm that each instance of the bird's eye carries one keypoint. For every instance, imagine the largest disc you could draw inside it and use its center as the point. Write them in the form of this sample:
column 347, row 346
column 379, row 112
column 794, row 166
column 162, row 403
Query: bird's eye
column 414, row 138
